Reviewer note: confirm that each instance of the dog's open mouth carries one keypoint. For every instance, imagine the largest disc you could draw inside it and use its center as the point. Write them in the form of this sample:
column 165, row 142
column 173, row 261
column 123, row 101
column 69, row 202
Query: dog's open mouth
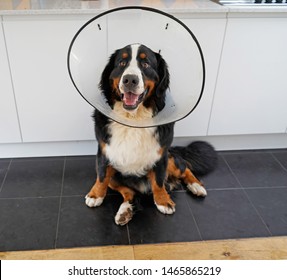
column 131, row 100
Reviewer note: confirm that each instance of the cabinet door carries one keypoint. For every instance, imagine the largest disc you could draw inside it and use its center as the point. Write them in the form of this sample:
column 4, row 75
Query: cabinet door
column 9, row 126
column 50, row 109
column 210, row 33
column 251, row 92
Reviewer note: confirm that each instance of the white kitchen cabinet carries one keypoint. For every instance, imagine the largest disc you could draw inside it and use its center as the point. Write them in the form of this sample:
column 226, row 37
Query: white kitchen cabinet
column 49, row 107
column 210, row 34
column 251, row 91
column 9, row 126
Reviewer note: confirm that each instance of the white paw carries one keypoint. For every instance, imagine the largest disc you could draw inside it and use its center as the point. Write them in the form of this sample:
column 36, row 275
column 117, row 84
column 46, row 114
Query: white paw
column 124, row 214
column 93, row 202
column 197, row 189
column 165, row 209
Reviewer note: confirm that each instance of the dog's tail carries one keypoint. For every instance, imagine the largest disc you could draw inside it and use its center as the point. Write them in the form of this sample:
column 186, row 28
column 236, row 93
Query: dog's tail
column 200, row 157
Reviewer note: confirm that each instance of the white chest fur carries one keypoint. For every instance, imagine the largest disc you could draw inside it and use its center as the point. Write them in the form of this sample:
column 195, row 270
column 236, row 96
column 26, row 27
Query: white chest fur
column 132, row 151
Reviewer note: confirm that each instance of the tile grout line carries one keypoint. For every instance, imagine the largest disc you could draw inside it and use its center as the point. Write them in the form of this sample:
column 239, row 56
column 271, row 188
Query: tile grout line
column 129, row 236
column 4, row 179
column 60, row 204
column 233, row 174
column 258, row 213
column 35, row 159
column 194, row 219
column 247, row 196
column 249, row 188
column 278, row 161
column 29, row 197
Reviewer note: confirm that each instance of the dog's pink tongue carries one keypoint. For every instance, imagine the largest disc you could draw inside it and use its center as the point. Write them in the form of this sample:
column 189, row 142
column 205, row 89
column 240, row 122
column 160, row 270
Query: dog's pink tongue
column 130, row 98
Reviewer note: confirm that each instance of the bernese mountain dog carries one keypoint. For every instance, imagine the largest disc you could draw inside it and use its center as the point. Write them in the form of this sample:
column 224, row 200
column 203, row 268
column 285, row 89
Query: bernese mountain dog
column 131, row 159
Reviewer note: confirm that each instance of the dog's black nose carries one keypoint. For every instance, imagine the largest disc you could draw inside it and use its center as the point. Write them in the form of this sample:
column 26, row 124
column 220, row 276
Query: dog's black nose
column 130, row 81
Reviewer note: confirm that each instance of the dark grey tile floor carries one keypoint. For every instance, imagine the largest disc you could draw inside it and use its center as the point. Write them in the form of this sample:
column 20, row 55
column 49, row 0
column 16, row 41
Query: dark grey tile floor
column 42, row 204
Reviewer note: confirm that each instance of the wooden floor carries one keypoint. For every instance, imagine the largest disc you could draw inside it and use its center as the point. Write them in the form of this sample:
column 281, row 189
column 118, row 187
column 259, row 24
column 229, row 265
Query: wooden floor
column 272, row 248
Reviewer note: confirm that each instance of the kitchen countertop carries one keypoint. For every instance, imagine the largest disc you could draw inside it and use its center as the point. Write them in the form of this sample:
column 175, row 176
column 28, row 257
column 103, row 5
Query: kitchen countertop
column 20, row 7
column 34, row 7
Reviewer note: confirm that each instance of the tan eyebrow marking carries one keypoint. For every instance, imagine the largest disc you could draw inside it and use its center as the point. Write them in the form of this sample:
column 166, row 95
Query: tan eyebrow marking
column 142, row 55
column 125, row 55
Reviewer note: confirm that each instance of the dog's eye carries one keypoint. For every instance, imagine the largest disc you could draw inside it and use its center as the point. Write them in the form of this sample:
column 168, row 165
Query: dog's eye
column 145, row 65
column 122, row 63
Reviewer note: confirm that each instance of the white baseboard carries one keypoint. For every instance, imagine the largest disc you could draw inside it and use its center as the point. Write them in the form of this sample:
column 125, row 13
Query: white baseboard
column 77, row 148
column 48, row 149
column 240, row 142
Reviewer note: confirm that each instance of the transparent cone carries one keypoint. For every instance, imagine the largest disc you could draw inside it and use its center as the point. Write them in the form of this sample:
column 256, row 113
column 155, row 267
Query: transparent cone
column 92, row 46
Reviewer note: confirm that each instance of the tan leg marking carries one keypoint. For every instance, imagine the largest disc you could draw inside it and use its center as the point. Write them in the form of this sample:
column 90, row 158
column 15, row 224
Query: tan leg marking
column 162, row 199
column 99, row 190
column 125, row 212
column 193, row 184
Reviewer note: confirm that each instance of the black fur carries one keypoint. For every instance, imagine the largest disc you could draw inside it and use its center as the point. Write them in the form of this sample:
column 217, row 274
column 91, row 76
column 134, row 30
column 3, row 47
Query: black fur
column 104, row 85
column 200, row 156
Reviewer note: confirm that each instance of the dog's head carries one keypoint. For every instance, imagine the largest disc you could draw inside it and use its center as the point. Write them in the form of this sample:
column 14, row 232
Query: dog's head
column 135, row 76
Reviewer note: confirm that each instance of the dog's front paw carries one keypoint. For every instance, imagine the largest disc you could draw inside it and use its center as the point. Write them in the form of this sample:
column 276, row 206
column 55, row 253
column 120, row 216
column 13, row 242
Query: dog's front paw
column 168, row 209
column 124, row 214
column 93, row 202
column 197, row 189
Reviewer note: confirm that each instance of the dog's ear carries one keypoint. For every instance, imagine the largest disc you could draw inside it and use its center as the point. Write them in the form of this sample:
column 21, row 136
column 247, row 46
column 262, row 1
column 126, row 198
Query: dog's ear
column 163, row 82
column 105, row 83
column 163, row 73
